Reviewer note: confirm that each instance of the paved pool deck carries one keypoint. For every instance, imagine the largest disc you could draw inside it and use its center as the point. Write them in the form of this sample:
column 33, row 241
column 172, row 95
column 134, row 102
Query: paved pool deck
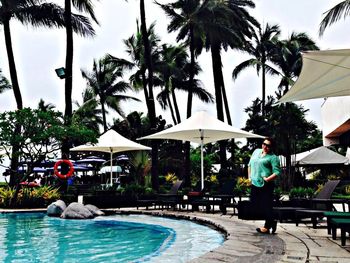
column 243, row 244
column 291, row 243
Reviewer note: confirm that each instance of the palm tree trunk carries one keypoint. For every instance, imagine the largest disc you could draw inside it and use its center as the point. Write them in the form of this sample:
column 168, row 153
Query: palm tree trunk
column 176, row 107
column 12, row 65
column 171, row 110
column 18, row 98
column 151, row 105
column 263, row 89
column 217, row 69
column 69, row 61
column 187, row 148
column 103, row 114
column 69, row 72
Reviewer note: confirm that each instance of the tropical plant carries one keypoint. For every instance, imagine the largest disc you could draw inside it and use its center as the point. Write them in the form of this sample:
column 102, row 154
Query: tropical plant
column 86, row 30
column 103, row 82
column 45, row 107
column 289, row 61
column 301, row 192
column 4, row 83
column 334, row 14
column 261, row 49
column 6, row 195
column 150, row 98
column 186, row 17
column 225, row 24
column 42, row 133
column 287, row 56
column 35, row 13
column 173, row 70
column 141, row 166
column 29, row 197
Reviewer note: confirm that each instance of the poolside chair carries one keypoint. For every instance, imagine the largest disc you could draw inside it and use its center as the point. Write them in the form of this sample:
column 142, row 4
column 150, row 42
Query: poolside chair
column 224, row 198
column 172, row 198
column 162, row 200
column 344, row 225
column 312, row 208
column 335, row 214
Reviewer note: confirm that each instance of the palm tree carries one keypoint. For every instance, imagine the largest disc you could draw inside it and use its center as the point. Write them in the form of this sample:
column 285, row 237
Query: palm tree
column 150, row 98
column 225, row 24
column 88, row 113
column 186, row 17
column 82, row 6
column 35, row 13
column 173, row 70
column 334, row 14
column 86, row 7
column 45, row 106
column 287, row 57
column 4, row 83
column 103, row 82
column 261, row 51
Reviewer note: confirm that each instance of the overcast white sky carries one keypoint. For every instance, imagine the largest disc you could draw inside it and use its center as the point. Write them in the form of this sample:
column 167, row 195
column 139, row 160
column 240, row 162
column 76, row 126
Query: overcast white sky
column 39, row 51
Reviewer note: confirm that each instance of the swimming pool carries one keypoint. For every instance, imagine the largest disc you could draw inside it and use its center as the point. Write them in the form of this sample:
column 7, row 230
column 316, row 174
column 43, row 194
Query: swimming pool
column 35, row 237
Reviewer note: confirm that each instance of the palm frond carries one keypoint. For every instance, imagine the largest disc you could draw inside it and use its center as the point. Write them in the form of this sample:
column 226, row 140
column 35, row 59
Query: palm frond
column 334, row 14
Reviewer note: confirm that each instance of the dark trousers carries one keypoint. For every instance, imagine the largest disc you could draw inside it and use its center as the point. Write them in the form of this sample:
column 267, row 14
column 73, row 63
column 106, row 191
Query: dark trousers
column 262, row 198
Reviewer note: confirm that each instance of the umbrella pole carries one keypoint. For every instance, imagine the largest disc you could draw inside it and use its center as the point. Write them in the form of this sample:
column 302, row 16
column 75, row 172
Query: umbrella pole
column 111, row 167
column 202, row 165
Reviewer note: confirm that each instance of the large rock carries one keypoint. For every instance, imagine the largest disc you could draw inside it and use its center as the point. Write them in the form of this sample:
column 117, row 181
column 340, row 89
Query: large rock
column 56, row 208
column 95, row 210
column 77, row 211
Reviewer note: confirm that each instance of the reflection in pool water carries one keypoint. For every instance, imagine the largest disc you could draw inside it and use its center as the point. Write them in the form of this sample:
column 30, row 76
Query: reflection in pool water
column 34, row 237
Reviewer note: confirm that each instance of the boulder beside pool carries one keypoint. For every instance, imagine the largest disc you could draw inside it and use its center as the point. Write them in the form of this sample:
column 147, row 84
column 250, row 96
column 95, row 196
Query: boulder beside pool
column 77, row 211
column 73, row 211
column 95, row 210
column 56, row 208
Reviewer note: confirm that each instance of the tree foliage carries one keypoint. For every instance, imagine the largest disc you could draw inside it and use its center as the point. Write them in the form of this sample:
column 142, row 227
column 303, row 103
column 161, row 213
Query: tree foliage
column 41, row 133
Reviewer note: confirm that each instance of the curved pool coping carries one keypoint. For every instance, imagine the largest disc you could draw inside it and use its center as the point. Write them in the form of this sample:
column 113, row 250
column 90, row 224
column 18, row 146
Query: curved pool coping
column 241, row 244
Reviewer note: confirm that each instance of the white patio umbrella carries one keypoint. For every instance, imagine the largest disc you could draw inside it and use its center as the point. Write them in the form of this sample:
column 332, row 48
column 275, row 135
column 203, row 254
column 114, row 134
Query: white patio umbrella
column 201, row 128
column 111, row 142
column 324, row 73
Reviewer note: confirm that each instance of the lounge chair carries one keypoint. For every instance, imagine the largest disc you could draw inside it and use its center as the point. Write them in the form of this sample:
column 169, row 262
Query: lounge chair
column 312, row 208
column 172, row 198
column 319, row 205
column 322, row 198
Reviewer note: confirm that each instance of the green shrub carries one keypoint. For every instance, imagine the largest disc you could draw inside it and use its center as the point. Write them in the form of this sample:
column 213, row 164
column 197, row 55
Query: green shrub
column 29, row 197
column 301, row 192
column 6, row 194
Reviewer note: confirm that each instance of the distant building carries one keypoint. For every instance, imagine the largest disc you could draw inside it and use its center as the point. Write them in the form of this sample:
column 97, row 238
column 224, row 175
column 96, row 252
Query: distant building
column 335, row 114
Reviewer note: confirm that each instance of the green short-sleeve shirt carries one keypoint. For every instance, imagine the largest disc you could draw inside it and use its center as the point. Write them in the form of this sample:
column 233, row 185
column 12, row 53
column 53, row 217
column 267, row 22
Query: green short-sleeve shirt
column 263, row 166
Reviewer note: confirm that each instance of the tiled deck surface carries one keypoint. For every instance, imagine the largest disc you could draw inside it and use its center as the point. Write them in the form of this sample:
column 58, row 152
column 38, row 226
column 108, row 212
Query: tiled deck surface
column 289, row 244
column 243, row 244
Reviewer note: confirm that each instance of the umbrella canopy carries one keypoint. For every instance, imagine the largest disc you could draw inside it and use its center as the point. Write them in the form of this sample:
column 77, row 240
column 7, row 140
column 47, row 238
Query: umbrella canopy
column 324, row 74
column 320, row 156
column 91, row 160
column 107, row 169
column 202, row 128
column 111, row 142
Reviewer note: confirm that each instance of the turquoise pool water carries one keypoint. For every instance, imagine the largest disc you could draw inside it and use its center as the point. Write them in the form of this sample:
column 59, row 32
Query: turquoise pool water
column 34, row 237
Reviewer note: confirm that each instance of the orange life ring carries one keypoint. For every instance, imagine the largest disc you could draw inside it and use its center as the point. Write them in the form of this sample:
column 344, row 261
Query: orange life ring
column 63, row 176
